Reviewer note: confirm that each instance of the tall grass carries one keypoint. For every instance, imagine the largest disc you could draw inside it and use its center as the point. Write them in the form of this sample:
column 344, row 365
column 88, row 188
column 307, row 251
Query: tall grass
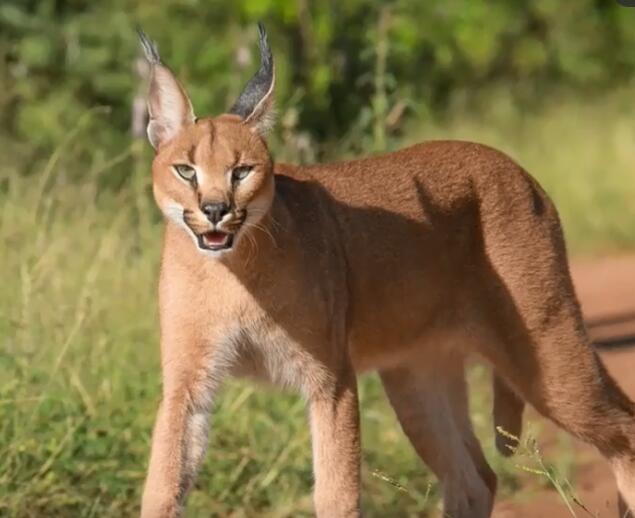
column 79, row 370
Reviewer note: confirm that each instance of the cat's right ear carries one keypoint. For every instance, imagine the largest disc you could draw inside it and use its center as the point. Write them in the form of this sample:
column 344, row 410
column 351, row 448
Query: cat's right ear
column 169, row 107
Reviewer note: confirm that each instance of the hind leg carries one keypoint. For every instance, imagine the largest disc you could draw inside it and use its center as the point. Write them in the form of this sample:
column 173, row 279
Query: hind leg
column 554, row 367
column 431, row 406
column 508, row 416
column 538, row 341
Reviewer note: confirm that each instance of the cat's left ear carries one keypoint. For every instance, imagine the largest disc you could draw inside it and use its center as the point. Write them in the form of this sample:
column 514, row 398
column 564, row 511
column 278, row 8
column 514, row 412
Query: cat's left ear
column 255, row 103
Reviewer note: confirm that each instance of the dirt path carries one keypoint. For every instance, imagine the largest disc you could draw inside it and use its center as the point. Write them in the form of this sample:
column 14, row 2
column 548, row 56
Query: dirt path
column 606, row 288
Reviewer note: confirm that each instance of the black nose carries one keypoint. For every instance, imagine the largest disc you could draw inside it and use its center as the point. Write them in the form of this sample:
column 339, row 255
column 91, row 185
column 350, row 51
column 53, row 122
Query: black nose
column 215, row 211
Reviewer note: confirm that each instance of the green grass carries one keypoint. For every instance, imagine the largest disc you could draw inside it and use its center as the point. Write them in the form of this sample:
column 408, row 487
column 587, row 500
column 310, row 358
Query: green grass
column 79, row 370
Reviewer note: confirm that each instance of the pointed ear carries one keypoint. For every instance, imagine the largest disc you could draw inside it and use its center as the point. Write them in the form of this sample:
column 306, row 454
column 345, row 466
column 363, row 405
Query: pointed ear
column 169, row 107
column 255, row 103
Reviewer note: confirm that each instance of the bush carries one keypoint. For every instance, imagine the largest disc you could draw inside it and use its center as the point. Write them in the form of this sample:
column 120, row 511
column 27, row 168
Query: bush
column 343, row 66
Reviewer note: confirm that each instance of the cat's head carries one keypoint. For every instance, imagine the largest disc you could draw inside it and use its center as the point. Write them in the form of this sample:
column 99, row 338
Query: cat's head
column 212, row 176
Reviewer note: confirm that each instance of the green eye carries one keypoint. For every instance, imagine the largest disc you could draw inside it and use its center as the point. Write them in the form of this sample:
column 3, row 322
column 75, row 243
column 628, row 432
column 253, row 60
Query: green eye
column 240, row 172
column 187, row 172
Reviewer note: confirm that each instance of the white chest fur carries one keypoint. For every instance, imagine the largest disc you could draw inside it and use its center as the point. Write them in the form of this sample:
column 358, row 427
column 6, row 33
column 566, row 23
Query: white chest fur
column 261, row 349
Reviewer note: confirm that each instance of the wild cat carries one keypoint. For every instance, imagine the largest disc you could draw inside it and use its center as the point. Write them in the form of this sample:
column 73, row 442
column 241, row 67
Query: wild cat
column 403, row 264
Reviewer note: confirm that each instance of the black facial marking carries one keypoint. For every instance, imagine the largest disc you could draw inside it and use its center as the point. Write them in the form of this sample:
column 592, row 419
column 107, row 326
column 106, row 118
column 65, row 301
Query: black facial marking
column 190, row 154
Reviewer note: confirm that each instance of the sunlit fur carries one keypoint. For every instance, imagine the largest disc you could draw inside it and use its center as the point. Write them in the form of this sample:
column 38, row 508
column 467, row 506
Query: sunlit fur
column 403, row 264
column 214, row 147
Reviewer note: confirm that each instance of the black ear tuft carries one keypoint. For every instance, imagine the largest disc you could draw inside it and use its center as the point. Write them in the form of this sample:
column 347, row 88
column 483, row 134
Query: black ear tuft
column 169, row 107
column 256, row 96
column 149, row 47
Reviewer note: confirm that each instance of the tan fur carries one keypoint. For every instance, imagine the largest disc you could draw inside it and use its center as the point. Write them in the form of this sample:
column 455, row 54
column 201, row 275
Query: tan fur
column 402, row 264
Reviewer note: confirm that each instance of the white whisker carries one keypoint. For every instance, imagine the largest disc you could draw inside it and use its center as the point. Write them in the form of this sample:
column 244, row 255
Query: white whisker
column 263, row 229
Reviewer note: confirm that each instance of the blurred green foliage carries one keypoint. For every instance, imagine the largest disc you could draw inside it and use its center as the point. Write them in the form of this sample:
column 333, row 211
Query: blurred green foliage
column 346, row 69
column 79, row 360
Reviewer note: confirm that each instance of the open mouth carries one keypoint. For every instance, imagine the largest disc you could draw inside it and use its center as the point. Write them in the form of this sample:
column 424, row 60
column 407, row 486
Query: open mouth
column 215, row 240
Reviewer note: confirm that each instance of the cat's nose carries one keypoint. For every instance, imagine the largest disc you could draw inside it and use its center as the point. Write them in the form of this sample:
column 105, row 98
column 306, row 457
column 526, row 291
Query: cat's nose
column 215, row 211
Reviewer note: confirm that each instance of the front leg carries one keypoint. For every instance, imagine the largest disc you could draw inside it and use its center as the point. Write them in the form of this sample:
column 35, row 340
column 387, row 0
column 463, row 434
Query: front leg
column 335, row 433
column 180, row 435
